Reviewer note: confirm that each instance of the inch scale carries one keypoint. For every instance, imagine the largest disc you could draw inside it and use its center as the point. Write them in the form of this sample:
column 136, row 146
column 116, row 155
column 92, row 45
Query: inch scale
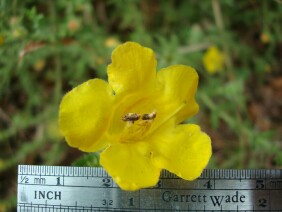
column 58, row 188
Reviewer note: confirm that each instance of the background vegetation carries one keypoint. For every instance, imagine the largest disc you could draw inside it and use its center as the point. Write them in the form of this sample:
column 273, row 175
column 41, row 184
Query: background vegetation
column 48, row 47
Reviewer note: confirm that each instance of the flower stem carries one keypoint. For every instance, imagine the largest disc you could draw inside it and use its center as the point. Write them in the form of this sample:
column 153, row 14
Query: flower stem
column 220, row 25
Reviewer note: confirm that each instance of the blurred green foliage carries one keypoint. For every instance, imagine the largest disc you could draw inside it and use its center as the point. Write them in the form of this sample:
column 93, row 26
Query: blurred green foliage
column 48, row 47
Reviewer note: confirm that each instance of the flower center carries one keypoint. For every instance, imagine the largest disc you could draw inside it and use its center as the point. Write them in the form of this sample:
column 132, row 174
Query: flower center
column 137, row 125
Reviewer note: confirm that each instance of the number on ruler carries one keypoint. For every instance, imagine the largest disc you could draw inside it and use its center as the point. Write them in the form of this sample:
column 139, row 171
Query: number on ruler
column 262, row 202
column 159, row 184
column 131, row 202
column 107, row 202
column 24, row 179
column 106, row 182
column 260, row 184
column 208, row 184
column 58, row 181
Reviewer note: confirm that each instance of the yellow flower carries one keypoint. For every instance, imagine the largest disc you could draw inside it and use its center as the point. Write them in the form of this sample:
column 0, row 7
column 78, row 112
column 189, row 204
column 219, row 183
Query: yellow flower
column 111, row 42
column 264, row 37
column 135, row 119
column 213, row 60
column 19, row 32
column 39, row 65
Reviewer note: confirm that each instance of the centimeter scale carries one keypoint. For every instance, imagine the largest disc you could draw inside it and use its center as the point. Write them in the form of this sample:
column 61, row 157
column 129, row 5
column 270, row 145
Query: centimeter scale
column 58, row 188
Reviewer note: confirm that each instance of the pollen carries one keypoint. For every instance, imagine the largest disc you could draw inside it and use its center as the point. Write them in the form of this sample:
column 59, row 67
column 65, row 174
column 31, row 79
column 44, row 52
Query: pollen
column 149, row 116
column 131, row 117
column 136, row 131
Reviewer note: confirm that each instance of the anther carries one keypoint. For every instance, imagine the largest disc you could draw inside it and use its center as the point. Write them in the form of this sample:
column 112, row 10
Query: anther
column 149, row 116
column 131, row 117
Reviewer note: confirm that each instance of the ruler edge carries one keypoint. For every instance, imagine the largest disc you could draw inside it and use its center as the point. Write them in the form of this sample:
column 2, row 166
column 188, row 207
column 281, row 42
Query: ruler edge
column 35, row 168
column 84, row 171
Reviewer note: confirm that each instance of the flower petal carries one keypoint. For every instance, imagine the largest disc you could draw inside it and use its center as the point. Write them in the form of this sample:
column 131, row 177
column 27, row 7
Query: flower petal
column 84, row 115
column 184, row 151
column 213, row 60
column 179, row 87
column 130, row 165
column 133, row 67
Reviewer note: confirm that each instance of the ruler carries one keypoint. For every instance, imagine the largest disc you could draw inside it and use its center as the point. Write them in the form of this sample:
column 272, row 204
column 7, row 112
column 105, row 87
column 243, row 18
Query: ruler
column 59, row 188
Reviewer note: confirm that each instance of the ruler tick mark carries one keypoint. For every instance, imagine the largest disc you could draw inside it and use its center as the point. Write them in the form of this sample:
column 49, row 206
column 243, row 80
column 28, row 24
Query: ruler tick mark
column 86, row 188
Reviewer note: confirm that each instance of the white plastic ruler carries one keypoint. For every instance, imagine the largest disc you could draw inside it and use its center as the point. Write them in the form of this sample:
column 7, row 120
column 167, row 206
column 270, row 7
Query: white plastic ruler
column 57, row 188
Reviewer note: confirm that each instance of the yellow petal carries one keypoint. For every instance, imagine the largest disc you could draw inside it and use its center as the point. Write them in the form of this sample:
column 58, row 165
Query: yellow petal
column 184, row 151
column 172, row 97
column 138, row 102
column 130, row 165
column 213, row 60
column 84, row 115
column 179, row 87
column 133, row 67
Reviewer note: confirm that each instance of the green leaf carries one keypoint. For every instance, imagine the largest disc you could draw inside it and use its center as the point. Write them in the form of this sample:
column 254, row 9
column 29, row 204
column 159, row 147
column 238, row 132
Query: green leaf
column 90, row 159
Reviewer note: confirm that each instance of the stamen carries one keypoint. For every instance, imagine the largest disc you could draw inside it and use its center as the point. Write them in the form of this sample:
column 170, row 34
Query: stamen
column 149, row 116
column 131, row 117
column 135, row 132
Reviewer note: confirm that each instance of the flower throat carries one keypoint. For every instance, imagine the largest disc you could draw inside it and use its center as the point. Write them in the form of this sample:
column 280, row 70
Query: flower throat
column 135, row 131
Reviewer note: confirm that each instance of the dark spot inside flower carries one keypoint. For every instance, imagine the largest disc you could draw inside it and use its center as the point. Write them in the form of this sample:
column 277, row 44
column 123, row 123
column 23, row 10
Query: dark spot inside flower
column 149, row 116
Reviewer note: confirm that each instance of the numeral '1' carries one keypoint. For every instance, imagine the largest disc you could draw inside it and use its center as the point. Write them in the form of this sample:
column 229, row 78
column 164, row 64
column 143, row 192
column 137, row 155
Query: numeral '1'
column 58, row 181
column 131, row 202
